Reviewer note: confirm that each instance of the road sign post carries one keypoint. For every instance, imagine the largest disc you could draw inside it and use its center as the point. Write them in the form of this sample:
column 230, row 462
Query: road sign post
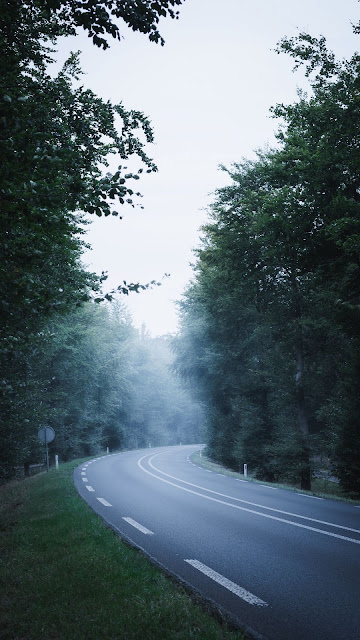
column 46, row 435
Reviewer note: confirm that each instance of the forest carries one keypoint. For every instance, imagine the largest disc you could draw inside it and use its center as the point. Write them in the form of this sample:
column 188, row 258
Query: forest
column 100, row 384
column 269, row 325
column 70, row 357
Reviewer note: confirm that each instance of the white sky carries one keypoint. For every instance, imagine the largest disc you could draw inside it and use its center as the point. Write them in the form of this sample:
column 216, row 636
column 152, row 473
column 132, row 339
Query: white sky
column 207, row 93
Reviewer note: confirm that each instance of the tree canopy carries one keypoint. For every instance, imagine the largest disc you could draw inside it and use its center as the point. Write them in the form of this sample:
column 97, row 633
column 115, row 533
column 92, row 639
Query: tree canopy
column 57, row 139
column 271, row 321
column 26, row 26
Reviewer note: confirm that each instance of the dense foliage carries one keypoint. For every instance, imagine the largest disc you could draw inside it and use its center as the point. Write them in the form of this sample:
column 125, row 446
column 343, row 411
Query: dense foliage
column 271, row 322
column 56, row 138
column 99, row 383
column 26, row 26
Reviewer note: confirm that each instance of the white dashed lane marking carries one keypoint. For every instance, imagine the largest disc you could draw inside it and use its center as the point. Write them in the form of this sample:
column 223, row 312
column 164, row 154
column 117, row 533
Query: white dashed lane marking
column 84, row 479
column 304, row 495
column 104, row 502
column 139, row 526
column 89, row 488
column 228, row 584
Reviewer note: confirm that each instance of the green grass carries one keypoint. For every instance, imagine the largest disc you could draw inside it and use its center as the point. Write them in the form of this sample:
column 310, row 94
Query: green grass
column 64, row 575
column 320, row 487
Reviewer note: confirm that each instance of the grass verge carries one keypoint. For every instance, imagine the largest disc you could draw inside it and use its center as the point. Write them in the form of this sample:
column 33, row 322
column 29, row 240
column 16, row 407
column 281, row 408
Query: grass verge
column 320, row 487
column 65, row 575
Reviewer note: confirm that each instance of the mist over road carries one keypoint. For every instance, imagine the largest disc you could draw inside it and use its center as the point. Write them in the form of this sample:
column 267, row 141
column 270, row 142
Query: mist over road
column 285, row 565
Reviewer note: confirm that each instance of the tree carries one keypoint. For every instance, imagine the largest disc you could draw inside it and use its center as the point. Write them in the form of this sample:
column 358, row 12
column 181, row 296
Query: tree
column 275, row 301
column 161, row 410
column 55, row 142
column 331, row 134
column 87, row 374
column 28, row 27
column 97, row 17
column 56, row 139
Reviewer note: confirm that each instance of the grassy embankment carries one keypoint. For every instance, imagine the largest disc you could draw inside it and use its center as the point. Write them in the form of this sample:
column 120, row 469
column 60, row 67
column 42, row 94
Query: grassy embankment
column 64, row 575
column 320, row 487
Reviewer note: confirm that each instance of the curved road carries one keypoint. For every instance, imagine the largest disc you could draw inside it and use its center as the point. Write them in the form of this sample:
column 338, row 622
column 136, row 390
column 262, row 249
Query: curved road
column 285, row 565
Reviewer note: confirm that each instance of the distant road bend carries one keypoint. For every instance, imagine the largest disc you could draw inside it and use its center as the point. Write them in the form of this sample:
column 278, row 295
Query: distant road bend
column 284, row 565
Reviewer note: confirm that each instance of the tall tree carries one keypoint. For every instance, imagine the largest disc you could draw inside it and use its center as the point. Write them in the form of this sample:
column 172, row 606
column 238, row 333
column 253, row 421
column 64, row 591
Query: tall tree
column 277, row 283
column 56, row 138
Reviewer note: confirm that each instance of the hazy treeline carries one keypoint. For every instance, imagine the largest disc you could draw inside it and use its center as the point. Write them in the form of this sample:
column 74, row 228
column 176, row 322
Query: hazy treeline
column 99, row 383
column 271, row 321
column 63, row 361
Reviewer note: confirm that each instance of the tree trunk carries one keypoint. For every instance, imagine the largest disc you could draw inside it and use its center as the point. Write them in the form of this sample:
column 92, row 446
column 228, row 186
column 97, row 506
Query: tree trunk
column 305, row 473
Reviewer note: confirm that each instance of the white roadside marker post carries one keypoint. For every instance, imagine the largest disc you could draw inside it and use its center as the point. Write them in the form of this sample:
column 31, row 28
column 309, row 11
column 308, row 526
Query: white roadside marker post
column 245, row 470
column 56, row 461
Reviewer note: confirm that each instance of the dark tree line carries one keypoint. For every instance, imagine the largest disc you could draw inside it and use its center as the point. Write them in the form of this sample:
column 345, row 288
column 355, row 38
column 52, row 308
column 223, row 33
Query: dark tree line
column 56, row 138
column 99, row 383
column 271, row 322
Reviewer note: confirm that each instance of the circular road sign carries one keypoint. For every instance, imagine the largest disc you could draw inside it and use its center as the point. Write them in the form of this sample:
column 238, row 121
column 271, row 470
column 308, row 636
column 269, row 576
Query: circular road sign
column 46, row 435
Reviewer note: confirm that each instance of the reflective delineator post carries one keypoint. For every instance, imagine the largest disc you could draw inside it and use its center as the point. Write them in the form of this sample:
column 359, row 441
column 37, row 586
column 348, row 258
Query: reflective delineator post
column 245, row 470
column 56, row 462
column 47, row 453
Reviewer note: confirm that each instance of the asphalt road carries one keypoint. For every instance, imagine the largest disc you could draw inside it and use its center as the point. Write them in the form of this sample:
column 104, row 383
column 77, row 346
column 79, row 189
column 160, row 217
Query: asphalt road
column 285, row 565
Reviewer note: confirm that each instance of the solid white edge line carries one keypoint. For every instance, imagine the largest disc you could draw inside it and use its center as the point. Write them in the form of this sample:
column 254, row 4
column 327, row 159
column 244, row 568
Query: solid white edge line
column 104, row 502
column 139, row 526
column 266, row 486
column 89, row 488
column 305, row 495
column 250, row 598
column 258, row 513
column 254, row 504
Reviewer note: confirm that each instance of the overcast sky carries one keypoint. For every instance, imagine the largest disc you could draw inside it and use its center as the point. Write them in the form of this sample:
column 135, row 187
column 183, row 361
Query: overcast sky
column 207, row 92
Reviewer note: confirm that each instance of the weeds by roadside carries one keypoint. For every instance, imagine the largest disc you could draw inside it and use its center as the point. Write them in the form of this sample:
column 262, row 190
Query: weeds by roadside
column 64, row 574
column 320, row 486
